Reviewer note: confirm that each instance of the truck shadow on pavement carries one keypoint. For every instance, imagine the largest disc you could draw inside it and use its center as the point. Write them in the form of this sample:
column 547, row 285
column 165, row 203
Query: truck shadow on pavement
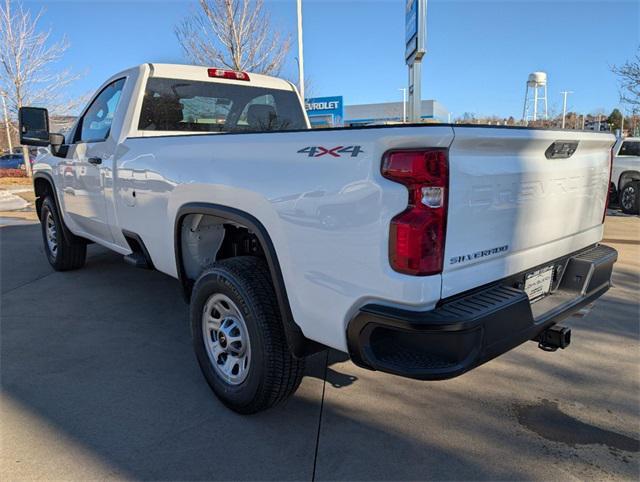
column 103, row 356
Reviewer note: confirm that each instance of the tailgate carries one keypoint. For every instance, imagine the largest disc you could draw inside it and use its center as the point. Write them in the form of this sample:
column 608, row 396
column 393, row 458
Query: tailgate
column 512, row 208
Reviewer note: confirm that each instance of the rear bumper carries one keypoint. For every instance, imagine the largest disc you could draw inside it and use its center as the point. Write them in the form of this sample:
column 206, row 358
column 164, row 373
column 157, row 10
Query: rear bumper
column 469, row 330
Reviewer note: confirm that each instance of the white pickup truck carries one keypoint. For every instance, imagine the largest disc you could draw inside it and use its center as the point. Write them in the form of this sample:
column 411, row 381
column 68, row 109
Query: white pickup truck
column 625, row 174
column 419, row 250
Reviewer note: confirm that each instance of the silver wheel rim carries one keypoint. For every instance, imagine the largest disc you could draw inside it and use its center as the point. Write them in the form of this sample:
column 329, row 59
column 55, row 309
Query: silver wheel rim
column 627, row 197
column 226, row 339
column 52, row 234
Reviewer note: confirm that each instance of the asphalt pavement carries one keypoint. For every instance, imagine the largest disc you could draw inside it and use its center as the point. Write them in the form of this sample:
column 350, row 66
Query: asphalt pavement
column 99, row 381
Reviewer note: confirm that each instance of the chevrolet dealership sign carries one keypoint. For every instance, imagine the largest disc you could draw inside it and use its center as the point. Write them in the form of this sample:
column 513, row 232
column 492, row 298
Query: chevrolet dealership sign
column 415, row 29
column 325, row 111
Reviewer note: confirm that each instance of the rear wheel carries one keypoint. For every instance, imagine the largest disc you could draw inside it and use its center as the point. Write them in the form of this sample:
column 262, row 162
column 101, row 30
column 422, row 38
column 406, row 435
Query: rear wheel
column 630, row 198
column 64, row 251
column 239, row 337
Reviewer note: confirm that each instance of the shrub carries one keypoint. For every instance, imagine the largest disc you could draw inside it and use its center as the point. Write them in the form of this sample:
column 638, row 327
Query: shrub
column 12, row 173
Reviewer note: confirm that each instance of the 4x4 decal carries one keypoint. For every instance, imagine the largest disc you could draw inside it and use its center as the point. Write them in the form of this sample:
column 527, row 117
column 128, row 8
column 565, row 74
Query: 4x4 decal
column 338, row 151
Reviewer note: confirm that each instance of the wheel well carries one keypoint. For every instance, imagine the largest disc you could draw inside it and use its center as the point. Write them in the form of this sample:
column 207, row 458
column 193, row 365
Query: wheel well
column 205, row 239
column 205, row 233
column 41, row 187
column 627, row 177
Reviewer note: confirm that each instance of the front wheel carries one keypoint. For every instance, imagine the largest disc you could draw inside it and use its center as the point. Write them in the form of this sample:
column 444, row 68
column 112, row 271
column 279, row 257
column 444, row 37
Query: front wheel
column 239, row 338
column 630, row 198
column 64, row 251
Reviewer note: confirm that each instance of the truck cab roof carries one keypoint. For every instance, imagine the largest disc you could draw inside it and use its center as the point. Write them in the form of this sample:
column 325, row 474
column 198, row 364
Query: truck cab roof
column 200, row 73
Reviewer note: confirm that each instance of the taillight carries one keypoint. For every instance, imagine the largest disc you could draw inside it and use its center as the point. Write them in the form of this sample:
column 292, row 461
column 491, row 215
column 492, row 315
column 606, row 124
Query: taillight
column 416, row 236
column 227, row 74
column 606, row 202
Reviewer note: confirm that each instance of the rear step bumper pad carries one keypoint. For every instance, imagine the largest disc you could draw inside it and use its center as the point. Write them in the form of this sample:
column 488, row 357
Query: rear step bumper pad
column 470, row 330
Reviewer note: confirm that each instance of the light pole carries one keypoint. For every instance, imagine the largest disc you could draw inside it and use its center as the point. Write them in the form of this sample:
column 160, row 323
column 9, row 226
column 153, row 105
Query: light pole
column 6, row 121
column 404, row 104
column 564, row 104
column 300, row 54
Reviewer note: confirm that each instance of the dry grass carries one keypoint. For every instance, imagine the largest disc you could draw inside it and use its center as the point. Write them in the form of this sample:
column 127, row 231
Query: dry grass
column 26, row 215
column 15, row 182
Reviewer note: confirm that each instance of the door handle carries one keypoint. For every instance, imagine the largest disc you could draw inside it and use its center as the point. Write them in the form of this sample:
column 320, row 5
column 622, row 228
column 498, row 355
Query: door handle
column 95, row 160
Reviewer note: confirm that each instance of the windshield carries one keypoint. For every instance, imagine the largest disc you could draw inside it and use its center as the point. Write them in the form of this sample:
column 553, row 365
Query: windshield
column 195, row 106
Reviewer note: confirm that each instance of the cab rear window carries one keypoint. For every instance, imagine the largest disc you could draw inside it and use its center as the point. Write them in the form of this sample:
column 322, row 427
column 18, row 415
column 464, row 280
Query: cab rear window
column 630, row 148
column 195, row 106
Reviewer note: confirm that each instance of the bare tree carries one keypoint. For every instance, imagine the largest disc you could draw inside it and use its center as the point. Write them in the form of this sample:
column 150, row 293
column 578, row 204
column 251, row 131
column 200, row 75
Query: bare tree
column 629, row 75
column 27, row 61
column 236, row 34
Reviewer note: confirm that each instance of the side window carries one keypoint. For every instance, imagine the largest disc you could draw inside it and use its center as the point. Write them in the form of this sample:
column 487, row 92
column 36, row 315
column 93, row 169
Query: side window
column 95, row 125
column 265, row 113
column 629, row 148
column 266, row 104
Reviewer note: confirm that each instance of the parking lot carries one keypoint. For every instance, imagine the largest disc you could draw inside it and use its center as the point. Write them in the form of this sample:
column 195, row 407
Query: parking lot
column 99, row 381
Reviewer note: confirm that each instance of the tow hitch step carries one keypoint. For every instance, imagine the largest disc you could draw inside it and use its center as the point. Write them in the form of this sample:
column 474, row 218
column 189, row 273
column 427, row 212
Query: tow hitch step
column 554, row 337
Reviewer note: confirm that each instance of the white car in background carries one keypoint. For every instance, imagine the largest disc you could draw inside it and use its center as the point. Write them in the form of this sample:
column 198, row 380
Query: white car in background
column 625, row 174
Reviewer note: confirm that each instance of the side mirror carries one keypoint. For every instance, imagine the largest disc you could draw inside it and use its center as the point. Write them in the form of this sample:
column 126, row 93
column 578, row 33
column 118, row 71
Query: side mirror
column 34, row 126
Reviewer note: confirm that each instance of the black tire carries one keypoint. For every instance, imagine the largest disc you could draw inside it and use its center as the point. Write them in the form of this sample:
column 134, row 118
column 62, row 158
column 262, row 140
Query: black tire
column 70, row 252
column 630, row 198
column 273, row 373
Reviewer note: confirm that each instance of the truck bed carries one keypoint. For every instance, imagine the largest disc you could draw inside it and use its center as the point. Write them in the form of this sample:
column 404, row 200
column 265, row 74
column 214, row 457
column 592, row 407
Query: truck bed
column 320, row 204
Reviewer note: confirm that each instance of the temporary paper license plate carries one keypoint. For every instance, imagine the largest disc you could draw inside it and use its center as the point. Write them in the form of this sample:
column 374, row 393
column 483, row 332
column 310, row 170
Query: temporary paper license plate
column 538, row 283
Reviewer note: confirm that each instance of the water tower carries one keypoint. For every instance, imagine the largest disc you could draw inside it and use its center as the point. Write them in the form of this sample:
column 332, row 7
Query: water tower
column 536, row 92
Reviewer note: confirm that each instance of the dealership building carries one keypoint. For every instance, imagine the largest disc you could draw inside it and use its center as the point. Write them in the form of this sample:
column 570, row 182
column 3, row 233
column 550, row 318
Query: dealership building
column 331, row 112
